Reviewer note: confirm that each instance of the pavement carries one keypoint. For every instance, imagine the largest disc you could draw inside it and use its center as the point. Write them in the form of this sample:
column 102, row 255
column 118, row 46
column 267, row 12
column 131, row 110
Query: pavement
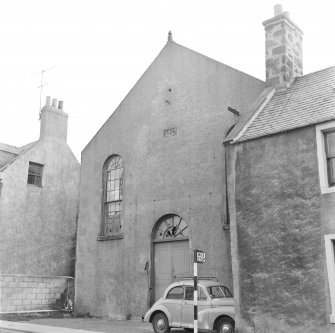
column 78, row 325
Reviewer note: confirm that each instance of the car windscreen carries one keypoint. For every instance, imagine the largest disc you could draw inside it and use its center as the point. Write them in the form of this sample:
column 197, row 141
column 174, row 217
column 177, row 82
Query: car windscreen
column 219, row 292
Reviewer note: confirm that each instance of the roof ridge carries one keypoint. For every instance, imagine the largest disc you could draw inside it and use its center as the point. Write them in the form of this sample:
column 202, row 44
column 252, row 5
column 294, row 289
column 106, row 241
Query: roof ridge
column 317, row 71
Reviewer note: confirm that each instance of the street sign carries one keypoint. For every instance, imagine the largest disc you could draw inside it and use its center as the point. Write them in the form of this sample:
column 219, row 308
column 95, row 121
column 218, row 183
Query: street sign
column 200, row 257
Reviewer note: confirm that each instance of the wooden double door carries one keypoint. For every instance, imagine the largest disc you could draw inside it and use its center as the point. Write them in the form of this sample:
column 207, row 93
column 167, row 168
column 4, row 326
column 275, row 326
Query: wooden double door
column 172, row 260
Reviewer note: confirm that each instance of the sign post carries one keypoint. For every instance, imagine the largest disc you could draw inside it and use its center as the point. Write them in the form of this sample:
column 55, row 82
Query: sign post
column 199, row 257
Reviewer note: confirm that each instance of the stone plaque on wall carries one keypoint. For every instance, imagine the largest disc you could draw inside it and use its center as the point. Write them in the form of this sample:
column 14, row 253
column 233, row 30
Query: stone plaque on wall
column 170, row 132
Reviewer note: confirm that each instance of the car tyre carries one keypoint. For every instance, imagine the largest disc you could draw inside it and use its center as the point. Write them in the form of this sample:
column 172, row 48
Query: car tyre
column 225, row 325
column 160, row 323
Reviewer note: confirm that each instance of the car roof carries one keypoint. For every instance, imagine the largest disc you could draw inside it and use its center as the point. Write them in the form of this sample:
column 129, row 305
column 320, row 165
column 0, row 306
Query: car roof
column 190, row 282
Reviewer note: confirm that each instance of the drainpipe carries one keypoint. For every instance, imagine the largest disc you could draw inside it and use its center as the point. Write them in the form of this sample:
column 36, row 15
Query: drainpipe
column 237, row 115
column 226, row 225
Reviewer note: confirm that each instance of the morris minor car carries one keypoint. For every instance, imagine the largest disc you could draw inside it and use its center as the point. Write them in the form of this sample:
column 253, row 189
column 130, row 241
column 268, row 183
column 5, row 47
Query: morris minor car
column 176, row 308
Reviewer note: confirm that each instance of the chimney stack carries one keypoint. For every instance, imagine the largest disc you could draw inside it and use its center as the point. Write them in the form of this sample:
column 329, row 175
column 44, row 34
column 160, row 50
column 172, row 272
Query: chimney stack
column 53, row 120
column 283, row 49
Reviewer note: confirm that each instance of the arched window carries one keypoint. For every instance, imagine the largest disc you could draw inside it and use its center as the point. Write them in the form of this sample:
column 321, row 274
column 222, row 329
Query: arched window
column 112, row 196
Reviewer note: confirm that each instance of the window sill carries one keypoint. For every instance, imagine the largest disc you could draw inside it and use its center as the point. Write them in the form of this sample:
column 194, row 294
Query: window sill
column 104, row 238
column 34, row 185
column 325, row 190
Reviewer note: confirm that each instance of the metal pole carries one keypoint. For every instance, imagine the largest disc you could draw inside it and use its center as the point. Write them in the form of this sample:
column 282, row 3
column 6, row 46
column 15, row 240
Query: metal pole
column 41, row 86
column 195, row 295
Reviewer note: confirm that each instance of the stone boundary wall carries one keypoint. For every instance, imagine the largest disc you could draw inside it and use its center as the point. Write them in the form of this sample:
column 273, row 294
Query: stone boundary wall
column 31, row 293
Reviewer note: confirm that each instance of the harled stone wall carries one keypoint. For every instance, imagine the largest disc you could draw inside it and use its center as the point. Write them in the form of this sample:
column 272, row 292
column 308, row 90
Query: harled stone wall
column 38, row 224
column 169, row 132
column 278, row 225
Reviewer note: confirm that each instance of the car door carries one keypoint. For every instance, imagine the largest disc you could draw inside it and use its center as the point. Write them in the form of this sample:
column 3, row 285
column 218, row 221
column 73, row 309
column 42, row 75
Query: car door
column 187, row 308
column 173, row 302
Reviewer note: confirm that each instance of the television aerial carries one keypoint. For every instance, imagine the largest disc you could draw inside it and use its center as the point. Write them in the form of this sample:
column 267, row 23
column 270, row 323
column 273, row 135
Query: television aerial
column 42, row 84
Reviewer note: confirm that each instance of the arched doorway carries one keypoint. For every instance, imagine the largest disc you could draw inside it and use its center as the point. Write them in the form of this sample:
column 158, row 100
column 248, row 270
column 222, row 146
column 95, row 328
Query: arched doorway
column 172, row 256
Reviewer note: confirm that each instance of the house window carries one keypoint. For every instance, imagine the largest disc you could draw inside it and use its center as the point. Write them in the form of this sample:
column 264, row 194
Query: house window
column 330, row 156
column 35, row 174
column 112, row 198
column 325, row 139
column 330, row 259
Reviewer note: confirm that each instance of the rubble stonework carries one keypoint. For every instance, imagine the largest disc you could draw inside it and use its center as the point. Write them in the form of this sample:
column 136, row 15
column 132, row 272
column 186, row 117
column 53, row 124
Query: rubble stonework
column 283, row 51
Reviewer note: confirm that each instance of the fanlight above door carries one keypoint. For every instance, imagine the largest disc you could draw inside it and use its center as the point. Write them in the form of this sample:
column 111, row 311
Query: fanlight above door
column 171, row 227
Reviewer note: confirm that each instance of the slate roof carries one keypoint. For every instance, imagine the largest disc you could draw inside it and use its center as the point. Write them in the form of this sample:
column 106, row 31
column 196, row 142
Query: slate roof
column 9, row 154
column 309, row 100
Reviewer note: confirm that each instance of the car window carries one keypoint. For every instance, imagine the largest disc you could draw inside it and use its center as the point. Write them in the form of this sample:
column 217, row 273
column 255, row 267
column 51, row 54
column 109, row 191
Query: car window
column 219, row 292
column 189, row 292
column 176, row 293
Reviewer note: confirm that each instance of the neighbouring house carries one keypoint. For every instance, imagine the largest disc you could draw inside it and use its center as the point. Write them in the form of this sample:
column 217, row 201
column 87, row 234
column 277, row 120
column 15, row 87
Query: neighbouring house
column 39, row 192
column 152, row 184
column 281, row 193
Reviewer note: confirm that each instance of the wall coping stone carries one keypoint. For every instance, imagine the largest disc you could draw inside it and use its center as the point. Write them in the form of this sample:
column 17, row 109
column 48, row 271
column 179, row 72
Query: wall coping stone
column 30, row 311
column 43, row 276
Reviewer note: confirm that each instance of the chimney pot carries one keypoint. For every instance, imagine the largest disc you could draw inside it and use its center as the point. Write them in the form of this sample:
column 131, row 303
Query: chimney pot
column 60, row 105
column 278, row 9
column 48, row 101
column 54, row 103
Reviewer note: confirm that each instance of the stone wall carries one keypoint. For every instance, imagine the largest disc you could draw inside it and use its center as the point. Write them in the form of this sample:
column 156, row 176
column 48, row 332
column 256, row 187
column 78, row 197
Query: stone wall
column 283, row 51
column 279, row 220
column 29, row 293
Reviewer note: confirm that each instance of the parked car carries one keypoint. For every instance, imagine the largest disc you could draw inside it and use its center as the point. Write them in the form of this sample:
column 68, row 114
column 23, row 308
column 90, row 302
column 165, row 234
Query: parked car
column 176, row 308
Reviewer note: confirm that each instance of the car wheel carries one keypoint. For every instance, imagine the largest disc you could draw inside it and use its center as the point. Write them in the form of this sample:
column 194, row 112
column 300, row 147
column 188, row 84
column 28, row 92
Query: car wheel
column 160, row 323
column 225, row 325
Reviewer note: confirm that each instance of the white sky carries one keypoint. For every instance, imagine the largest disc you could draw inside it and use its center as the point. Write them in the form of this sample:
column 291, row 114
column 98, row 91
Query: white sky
column 99, row 48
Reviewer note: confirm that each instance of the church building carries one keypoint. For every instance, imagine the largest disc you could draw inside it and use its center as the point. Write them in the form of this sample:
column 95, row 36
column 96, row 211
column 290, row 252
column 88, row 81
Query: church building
column 153, row 184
